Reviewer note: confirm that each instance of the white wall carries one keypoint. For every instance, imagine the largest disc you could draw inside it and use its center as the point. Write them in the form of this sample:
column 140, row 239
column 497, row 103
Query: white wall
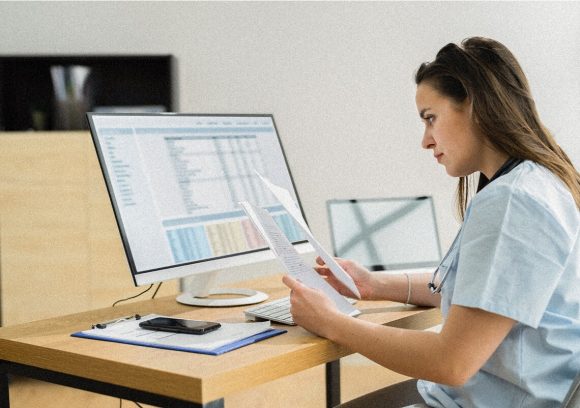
column 337, row 76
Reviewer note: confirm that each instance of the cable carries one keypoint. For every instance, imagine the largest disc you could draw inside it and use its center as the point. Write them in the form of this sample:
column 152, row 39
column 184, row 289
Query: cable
column 133, row 297
column 135, row 402
column 156, row 290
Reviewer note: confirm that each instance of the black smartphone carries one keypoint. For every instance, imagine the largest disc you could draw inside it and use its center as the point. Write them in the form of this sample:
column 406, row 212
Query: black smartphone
column 179, row 325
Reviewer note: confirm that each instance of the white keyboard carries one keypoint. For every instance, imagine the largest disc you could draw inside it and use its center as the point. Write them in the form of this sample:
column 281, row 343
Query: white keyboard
column 276, row 310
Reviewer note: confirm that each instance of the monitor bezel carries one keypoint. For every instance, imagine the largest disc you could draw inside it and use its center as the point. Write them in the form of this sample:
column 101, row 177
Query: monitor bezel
column 199, row 266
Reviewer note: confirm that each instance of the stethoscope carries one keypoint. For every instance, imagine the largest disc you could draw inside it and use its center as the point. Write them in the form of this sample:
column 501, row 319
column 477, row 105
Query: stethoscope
column 432, row 285
column 508, row 166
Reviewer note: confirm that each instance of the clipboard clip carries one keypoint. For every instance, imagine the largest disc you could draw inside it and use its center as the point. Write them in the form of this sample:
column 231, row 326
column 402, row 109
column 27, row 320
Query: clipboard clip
column 115, row 321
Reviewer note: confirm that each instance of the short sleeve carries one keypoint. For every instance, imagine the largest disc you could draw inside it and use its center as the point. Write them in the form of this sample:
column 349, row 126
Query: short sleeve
column 513, row 250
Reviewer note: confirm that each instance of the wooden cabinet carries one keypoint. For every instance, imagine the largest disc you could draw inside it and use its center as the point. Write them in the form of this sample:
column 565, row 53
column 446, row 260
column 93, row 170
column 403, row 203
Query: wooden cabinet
column 60, row 249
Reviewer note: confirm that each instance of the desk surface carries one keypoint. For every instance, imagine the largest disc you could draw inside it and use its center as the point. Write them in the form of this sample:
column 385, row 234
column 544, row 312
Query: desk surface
column 192, row 377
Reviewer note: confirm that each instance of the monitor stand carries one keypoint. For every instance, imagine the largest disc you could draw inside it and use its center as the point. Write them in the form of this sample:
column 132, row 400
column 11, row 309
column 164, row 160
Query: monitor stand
column 199, row 291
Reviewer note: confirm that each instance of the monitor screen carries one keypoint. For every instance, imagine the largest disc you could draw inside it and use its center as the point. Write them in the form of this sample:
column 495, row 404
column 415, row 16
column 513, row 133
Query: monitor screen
column 385, row 233
column 175, row 181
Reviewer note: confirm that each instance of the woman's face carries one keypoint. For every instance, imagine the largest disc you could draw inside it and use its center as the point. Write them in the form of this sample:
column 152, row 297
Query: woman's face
column 450, row 133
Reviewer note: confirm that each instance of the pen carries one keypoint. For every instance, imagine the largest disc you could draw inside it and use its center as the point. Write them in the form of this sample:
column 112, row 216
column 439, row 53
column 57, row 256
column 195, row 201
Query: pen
column 122, row 319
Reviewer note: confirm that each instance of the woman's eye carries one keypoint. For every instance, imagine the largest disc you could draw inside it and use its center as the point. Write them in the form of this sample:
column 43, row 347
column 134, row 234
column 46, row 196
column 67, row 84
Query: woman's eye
column 429, row 120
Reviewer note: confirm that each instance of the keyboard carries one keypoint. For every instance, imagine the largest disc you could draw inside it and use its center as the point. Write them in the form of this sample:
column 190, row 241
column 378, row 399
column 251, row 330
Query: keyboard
column 276, row 310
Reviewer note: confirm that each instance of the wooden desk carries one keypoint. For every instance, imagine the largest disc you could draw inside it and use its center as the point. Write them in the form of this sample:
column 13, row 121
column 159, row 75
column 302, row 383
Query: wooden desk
column 44, row 350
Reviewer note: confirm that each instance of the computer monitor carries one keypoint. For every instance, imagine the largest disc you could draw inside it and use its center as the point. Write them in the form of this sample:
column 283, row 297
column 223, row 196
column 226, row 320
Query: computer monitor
column 175, row 181
column 386, row 234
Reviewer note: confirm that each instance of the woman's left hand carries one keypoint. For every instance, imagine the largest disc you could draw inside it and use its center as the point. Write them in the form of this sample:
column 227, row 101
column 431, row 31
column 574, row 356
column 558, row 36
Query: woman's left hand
column 310, row 308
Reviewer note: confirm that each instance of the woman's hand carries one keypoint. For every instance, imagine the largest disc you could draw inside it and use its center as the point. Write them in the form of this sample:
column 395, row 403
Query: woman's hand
column 311, row 308
column 363, row 279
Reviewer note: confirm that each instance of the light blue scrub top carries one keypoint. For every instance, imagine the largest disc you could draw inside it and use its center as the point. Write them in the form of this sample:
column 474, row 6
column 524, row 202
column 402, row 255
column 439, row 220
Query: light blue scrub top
column 518, row 256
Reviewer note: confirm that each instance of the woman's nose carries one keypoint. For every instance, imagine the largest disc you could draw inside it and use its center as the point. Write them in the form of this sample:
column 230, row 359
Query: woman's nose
column 428, row 142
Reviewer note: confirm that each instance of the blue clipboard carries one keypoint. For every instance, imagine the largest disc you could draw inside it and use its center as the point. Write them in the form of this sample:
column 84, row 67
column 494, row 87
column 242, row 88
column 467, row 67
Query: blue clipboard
column 214, row 352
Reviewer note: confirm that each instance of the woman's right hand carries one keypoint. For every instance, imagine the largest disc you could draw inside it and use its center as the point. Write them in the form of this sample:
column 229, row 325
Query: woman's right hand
column 362, row 278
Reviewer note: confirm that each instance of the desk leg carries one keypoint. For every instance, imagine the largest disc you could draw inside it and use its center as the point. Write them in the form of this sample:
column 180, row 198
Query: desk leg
column 332, row 383
column 4, row 392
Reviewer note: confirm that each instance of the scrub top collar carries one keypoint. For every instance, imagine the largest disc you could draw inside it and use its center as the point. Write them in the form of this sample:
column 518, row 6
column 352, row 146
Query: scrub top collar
column 508, row 166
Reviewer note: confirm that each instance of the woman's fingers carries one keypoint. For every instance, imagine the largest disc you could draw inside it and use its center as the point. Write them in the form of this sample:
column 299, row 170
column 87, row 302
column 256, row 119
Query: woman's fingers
column 290, row 281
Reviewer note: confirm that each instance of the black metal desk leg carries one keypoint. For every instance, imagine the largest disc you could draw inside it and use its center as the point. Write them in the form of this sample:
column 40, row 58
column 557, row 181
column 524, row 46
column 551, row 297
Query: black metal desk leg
column 4, row 393
column 332, row 383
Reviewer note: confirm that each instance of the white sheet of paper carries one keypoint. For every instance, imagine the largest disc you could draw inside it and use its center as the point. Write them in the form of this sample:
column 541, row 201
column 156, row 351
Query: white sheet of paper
column 292, row 208
column 290, row 258
column 287, row 201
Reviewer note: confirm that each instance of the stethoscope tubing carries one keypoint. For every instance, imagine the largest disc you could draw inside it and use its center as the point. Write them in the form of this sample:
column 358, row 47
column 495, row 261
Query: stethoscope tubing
column 432, row 285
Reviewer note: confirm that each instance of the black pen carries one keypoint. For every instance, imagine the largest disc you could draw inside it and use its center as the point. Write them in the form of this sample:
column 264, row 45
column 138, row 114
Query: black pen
column 122, row 319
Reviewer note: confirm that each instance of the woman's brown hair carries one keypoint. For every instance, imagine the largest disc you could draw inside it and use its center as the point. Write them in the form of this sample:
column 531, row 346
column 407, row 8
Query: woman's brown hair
column 486, row 73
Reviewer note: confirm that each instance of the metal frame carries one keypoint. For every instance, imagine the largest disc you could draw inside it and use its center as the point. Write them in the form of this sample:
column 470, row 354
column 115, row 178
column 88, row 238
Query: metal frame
column 332, row 383
column 7, row 367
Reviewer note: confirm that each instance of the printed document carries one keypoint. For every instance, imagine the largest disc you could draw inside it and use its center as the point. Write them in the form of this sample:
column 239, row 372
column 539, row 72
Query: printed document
column 290, row 205
column 290, row 258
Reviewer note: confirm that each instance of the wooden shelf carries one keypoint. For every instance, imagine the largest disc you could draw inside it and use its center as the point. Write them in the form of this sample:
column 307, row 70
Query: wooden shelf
column 27, row 93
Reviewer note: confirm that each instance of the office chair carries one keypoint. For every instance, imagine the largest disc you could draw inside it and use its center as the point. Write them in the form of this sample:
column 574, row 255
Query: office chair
column 572, row 400
column 383, row 397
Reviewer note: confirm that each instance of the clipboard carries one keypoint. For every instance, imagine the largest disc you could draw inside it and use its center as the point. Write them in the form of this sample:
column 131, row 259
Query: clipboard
column 230, row 336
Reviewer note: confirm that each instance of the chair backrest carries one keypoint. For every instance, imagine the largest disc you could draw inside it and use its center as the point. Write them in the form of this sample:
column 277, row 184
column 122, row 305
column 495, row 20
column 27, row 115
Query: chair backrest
column 572, row 400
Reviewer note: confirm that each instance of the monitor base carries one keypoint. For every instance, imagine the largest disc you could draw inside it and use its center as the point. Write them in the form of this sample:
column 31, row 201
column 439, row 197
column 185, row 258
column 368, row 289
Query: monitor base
column 245, row 297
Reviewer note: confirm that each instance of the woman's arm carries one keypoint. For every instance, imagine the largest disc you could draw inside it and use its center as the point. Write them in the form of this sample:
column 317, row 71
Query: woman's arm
column 405, row 288
column 382, row 286
column 469, row 337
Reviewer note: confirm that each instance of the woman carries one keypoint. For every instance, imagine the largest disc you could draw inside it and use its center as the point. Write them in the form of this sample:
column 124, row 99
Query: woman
column 509, row 287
